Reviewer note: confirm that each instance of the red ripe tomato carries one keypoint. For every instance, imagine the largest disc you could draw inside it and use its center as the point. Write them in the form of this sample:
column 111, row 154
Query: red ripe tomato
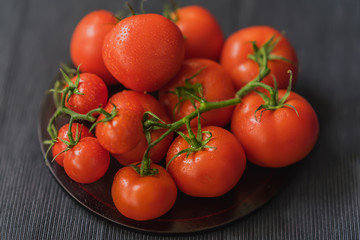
column 87, row 162
column 59, row 146
column 124, row 131
column 279, row 137
column 87, row 40
column 210, row 172
column 149, row 103
column 143, row 198
column 94, row 94
column 242, row 70
column 216, row 84
column 203, row 35
column 144, row 51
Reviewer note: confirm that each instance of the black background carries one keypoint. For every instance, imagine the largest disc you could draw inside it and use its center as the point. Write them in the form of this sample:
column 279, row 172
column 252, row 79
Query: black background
column 321, row 199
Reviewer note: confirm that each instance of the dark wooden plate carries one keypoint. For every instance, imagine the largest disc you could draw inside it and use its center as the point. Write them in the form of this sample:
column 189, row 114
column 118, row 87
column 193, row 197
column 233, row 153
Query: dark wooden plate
column 189, row 214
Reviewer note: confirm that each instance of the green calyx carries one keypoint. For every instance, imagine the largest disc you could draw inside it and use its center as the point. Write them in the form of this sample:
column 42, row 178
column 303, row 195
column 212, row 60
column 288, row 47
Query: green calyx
column 169, row 8
column 273, row 102
column 195, row 141
column 190, row 92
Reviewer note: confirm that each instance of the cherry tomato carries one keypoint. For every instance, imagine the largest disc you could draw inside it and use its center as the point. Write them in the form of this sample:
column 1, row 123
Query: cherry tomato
column 87, row 40
column 94, row 94
column 87, row 162
column 150, row 104
column 143, row 198
column 144, row 51
column 216, row 84
column 279, row 137
column 202, row 33
column 242, row 70
column 59, row 146
column 210, row 172
column 124, row 131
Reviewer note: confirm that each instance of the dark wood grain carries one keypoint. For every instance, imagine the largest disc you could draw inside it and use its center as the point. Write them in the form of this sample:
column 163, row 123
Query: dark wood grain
column 320, row 201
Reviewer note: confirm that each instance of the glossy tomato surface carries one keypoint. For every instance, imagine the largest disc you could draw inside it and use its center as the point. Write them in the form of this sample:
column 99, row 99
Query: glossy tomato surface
column 216, row 85
column 87, row 40
column 124, row 131
column 94, row 94
column 277, row 138
column 242, row 70
column 149, row 104
column 143, row 198
column 87, row 162
column 59, row 146
column 202, row 33
column 144, row 51
column 210, row 172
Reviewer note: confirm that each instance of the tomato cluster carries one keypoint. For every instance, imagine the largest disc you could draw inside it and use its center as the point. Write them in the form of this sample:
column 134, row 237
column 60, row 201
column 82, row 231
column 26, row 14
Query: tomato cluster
column 200, row 84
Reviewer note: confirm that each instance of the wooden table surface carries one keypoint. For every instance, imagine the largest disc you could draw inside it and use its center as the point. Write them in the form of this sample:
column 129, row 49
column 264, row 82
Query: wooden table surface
column 321, row 199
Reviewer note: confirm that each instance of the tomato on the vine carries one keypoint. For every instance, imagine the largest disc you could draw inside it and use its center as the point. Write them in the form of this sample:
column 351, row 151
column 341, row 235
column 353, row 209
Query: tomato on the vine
column 144, row 51
column 124, row 131
column 93, row 94
column 143, row 197
column 216, row 86
column 149, row 104
column 242, row 69
column 202, row 33
column 86, row 43
column 212, row 171
column 59, row 146
column 275, row 138
column 87, row 161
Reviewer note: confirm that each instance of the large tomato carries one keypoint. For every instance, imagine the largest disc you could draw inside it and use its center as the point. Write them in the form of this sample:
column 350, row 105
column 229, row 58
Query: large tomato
column 94, row 94
column 276, row 138
column 87, row 40
column 87, row 162
column 202, row 33
column 216, row 85
column 238, row 46
column 59, row 146
column 150, row 104
column 210, row 172
column 144, row 51
column 143, row 198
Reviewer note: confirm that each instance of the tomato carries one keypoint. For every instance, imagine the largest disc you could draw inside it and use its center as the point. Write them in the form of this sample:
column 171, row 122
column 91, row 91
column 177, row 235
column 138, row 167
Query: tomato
column 143, row 198
column 242, row 70
column 144, row 51
column 87, row 40
column 59, row 146
column 124, row 131
column 202, row 33
column 216, row 84
column 149, row 103
column 94, row 94
column 279, row 137
column 87, row 162
column 210, row 172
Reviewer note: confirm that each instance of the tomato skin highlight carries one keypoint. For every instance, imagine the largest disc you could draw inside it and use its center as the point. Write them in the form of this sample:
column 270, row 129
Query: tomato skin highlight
column 203, row 34
column 216, row 84
column 94, row 94
column 59, row 146
column 237, row 47
column 144, row 51
column 150, row 104
column 86, row 43
column 281, row 137
column 143, row 198
column 209, row 172
column 86, row 162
